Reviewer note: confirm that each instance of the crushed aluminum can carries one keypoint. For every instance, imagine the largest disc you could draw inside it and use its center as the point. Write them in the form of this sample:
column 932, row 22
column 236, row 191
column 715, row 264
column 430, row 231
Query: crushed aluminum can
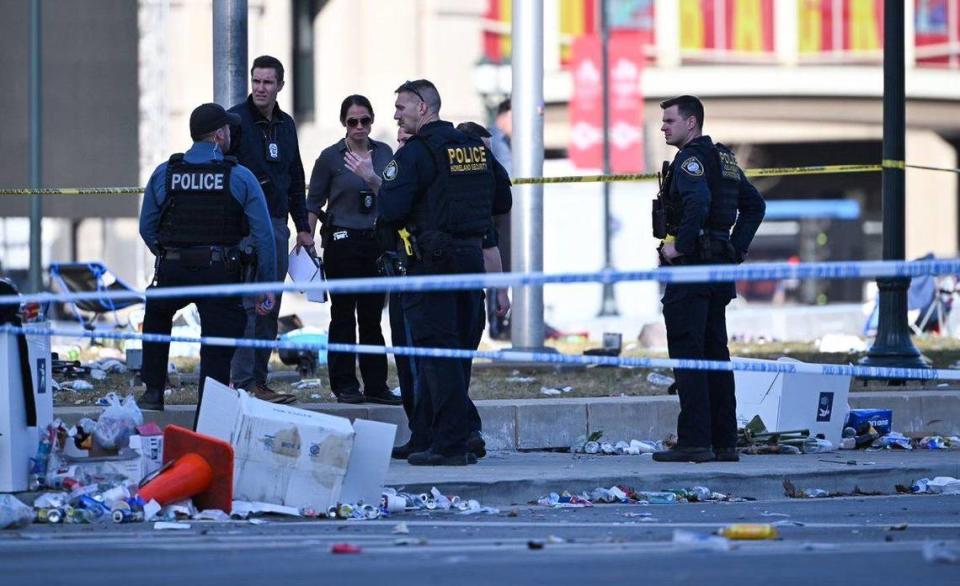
column 50, row 516
column 127, row 516
column 370, row 512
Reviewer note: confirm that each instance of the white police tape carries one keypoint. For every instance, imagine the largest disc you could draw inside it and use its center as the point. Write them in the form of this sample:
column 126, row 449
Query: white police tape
column 684, row 274
column 509, row 356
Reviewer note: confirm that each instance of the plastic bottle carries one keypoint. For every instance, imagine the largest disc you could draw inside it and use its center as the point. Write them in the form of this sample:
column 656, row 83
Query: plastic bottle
column 817, row 446
column 659, row 498
column 661, row 380
column 749, row 531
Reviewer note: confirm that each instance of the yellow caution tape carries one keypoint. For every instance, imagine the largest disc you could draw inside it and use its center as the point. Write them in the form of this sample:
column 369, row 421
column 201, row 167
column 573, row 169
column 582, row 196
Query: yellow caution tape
column 892, row 164
column 816, row 170
column 765, row 172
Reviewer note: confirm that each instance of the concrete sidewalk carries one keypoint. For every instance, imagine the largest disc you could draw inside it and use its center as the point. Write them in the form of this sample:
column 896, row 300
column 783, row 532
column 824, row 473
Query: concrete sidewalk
column 536, row 424
column 504, row 478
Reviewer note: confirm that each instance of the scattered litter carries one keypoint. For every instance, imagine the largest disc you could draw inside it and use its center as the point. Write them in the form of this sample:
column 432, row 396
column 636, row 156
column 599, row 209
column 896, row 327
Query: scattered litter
column 846, row 343
column 555, row 390
column 813, row 493
column 592, row 445
column 410, row 541
column 345, row 548
column 939, row 485
column 788, row 523
column 897, row 527
column 401, row 529
column 310, row 383
column 941, row 552
column 534, row 544
column 660, row 380
column 893, row 440
column 749, row 531
column 212, row 515
column 520, row 379
column 700, row 541
column 151, row 510
column 76, row 385
column 109, row 366
column 97, row 374
column 256, row 521
column 555, row 539
column 243, row 509
column 627, row 495
column 14, row 513
column 164, row 525
column 316, row 396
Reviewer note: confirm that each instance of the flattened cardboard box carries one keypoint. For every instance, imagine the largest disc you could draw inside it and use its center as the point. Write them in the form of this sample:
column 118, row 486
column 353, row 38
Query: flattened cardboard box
column 285, row 455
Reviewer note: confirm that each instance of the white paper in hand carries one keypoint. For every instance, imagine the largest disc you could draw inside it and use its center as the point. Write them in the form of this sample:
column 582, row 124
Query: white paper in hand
column 304, row 268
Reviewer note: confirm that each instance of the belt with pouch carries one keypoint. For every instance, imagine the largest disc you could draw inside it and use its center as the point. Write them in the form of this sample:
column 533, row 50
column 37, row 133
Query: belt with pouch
column 217, row 253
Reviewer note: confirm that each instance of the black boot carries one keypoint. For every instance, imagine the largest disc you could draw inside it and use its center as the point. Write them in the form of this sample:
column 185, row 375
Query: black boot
column 476, row 445
column 403, row 452
column 151, row 400
column 431, row 458
column 726, row 454
column 697, row 455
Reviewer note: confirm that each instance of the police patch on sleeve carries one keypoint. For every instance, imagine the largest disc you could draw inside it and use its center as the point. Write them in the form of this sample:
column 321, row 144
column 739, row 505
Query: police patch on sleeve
column 391, row 171
column 692, row 166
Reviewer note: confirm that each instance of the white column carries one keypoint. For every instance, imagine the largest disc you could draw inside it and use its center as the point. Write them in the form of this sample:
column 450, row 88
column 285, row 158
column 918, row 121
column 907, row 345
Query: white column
column 667, row 25
column 786, row 31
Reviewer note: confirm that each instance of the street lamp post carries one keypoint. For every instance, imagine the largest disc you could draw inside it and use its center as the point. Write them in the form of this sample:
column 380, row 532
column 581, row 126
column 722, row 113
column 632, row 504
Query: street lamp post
column 893, row 346
column 608, row 306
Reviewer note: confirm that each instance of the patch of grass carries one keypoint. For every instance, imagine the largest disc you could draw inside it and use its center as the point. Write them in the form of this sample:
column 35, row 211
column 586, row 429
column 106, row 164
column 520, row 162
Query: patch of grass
column 504, row 381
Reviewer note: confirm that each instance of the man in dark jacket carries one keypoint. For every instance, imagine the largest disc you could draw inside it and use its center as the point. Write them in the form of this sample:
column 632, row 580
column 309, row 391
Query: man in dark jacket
column 267, row 145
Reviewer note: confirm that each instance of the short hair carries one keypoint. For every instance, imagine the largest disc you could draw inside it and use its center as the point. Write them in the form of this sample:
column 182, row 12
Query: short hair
column 473, row 129
column 268, row 62
column 354, row 100
column 503, row 107
column 687, row 106
column 423, row 89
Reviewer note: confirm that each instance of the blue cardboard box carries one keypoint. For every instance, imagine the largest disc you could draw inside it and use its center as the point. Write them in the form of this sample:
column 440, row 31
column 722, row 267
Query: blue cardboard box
column 880, row 419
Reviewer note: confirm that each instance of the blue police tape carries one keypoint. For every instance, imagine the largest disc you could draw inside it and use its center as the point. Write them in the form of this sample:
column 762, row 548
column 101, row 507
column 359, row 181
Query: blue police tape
column 688, row 274
column 508, row 356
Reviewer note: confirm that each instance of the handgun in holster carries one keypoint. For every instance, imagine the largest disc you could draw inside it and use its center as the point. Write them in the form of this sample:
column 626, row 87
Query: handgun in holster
column 660, row 205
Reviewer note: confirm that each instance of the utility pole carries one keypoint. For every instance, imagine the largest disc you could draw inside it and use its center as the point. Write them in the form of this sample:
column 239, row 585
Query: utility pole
column 36, row 148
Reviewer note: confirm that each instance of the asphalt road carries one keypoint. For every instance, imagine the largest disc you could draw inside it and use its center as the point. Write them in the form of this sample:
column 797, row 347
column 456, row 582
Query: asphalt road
column 845, row 540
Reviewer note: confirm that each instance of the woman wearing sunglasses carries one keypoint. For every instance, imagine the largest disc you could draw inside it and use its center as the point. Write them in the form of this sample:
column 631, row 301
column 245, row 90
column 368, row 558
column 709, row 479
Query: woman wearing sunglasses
column 345, row 181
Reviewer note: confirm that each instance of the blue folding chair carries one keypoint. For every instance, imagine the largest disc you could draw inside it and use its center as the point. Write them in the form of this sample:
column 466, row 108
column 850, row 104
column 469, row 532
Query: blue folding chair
column 88, row 277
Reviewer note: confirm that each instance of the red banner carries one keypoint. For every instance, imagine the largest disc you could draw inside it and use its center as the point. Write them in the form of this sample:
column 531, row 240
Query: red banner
column 626, row 104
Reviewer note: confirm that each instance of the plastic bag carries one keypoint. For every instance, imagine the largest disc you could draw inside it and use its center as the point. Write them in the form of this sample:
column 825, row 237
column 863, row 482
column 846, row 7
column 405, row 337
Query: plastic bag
column 117, row 422
column 13, row 513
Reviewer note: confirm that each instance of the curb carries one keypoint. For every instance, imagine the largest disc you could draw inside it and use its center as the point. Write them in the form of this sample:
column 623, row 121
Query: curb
column 537, row 424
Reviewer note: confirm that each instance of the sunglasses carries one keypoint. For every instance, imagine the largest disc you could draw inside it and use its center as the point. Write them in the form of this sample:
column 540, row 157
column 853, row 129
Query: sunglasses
column 408, row 86
column 354, row 122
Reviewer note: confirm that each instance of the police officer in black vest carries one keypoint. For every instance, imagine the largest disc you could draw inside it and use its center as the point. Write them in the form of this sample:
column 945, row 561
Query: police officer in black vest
column 704, row 194
column 196, row 209
column 442, row 187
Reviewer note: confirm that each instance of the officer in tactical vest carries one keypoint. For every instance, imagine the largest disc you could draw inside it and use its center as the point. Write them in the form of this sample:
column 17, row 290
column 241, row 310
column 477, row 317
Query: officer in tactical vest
column 704, row 194
column 196, row 209
column 442, row 189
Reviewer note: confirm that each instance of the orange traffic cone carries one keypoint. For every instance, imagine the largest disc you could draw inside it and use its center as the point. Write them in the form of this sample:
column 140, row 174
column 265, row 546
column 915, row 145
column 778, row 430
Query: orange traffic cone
column 196, row 466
